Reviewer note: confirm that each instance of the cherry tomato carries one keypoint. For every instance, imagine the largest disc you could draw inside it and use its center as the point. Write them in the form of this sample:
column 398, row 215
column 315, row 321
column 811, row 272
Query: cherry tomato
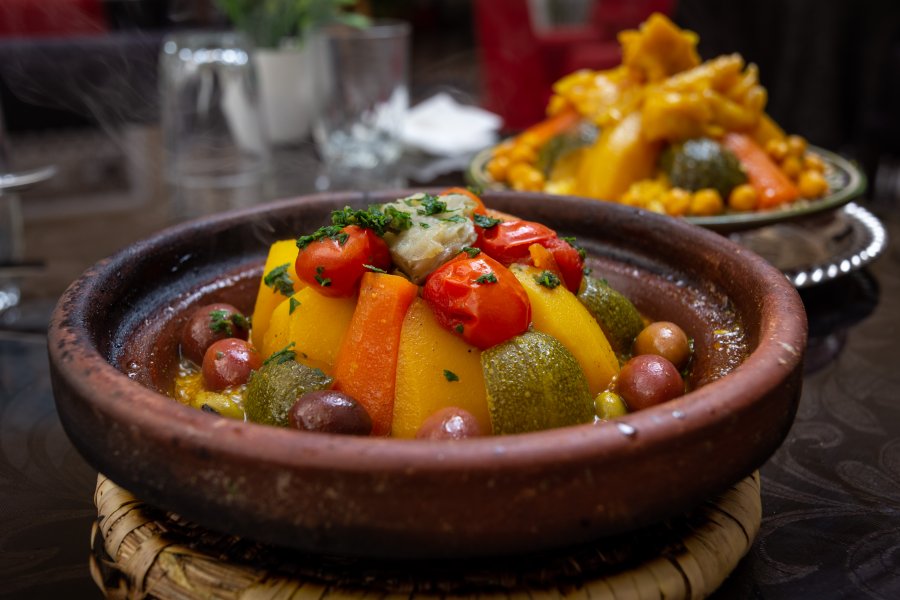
column 508, row 242
column 479, row 209
column 228, row 363
column 479, row 299
column 647, row 380
column 569, row 261
column 334, row 265
column 208, row 324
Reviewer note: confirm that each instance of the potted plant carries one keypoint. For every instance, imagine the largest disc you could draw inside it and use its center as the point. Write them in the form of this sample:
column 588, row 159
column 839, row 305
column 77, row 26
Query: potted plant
column 279, row 29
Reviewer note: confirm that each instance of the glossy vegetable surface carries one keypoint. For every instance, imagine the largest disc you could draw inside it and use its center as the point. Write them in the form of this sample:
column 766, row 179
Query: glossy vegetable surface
column 334, row 264
column 479, row 299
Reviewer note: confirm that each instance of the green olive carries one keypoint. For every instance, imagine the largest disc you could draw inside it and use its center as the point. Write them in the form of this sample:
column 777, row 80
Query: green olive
column 609, row 405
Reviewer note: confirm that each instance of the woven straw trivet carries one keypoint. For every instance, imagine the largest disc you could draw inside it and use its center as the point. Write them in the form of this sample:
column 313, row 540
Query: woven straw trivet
column 143, row 552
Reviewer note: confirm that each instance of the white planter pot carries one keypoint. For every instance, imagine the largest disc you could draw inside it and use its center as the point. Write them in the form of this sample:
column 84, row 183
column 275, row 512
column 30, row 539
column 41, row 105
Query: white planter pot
column 287, row 93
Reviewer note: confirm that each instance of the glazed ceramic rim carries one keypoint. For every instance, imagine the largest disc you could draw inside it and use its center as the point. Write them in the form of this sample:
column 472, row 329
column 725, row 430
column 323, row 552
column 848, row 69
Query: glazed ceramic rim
column 781, row 343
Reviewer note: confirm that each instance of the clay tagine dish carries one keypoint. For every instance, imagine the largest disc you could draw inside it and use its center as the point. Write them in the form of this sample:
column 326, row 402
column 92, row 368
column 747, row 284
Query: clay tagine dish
column 113, row 346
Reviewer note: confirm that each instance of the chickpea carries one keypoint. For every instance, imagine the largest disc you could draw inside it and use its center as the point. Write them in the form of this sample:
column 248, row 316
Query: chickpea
column 705, row 203
column 677, row 201
column 743, row 198
column 813, row 162
column 812, row 184
column 656, row 206
column 525, row 178
column 796, row 146
column 777, row 149
column 498, row 167
column 792, row 167
column 523, row 153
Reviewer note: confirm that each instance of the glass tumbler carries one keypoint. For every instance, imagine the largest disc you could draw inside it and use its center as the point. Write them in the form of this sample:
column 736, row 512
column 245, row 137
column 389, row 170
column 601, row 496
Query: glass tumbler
column 362, row 87
column 216, row 149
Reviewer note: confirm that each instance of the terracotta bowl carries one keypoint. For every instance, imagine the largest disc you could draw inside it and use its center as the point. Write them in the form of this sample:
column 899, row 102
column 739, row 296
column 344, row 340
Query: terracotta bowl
column 113, row 350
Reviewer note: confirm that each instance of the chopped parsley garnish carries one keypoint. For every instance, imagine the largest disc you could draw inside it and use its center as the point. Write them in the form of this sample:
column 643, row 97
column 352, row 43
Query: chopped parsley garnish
column 476, row 190
column 431, row 205
column 399, row 220
column 323, row 281
column 329, row 231
column 221, row 321
column 472, row 252
column 455, row 219
column 282, row 356
column 574, row 243
column 487, row 278
column 220, row 355
column 292, row 305
column 374, row 269
column 459, row 328
column 279, row 280
column 548, row 279
column 424, row 225
column 485, row 222
column 450, row 375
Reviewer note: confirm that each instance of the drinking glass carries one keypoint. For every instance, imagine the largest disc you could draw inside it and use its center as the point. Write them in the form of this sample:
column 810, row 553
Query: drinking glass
column 362, row 92
column 216, row 149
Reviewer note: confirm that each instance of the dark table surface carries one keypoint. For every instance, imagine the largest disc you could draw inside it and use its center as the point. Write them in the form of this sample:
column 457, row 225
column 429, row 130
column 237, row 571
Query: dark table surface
column 831, row 493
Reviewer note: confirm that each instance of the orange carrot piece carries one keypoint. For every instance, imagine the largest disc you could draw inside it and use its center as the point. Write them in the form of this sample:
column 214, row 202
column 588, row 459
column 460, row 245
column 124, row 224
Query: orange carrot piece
column 366, row 364
column 543, row 260
column 541, row 133
column 773, row 186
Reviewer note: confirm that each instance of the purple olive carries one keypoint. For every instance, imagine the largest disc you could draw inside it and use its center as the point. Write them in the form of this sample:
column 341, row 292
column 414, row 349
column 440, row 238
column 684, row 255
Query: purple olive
column 450, row 423
column 208, row 324
column 647, row 380
column 328, row 411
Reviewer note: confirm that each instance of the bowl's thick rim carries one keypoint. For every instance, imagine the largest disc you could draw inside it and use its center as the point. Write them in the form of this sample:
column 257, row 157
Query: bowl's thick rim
column 780, row 349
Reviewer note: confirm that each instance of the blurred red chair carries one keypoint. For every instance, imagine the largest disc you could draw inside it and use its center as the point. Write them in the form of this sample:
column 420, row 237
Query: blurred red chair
column 29, row 18
column 520, row 64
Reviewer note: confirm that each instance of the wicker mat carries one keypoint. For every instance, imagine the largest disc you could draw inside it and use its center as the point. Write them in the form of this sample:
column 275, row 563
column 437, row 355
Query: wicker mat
column 143, row 552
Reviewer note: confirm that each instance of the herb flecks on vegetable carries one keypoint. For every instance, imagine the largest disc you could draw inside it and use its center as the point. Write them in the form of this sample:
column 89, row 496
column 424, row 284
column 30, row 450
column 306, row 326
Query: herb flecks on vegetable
column 282, row 356
column 431, row 205
column 487, row 278
column 323, row 281
column 293, row 305
column 472, row 252
column 450, row 375
column 329, row 231
column 548, row 279
column 455, row 219
column 373, row 218
column 374, row 269
column 574, row 243
column 221, row 321
column 459, row 328
column 485, row 222
column 279, row 280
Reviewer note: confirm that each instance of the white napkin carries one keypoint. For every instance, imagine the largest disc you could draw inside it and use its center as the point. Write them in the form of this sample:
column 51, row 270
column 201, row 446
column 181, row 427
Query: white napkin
column 443, row 127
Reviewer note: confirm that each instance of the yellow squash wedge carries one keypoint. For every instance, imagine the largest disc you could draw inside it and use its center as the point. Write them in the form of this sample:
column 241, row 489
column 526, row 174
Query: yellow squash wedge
column 435, row 369
column 316, row 326
column 267, row 298
column 558, row 313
